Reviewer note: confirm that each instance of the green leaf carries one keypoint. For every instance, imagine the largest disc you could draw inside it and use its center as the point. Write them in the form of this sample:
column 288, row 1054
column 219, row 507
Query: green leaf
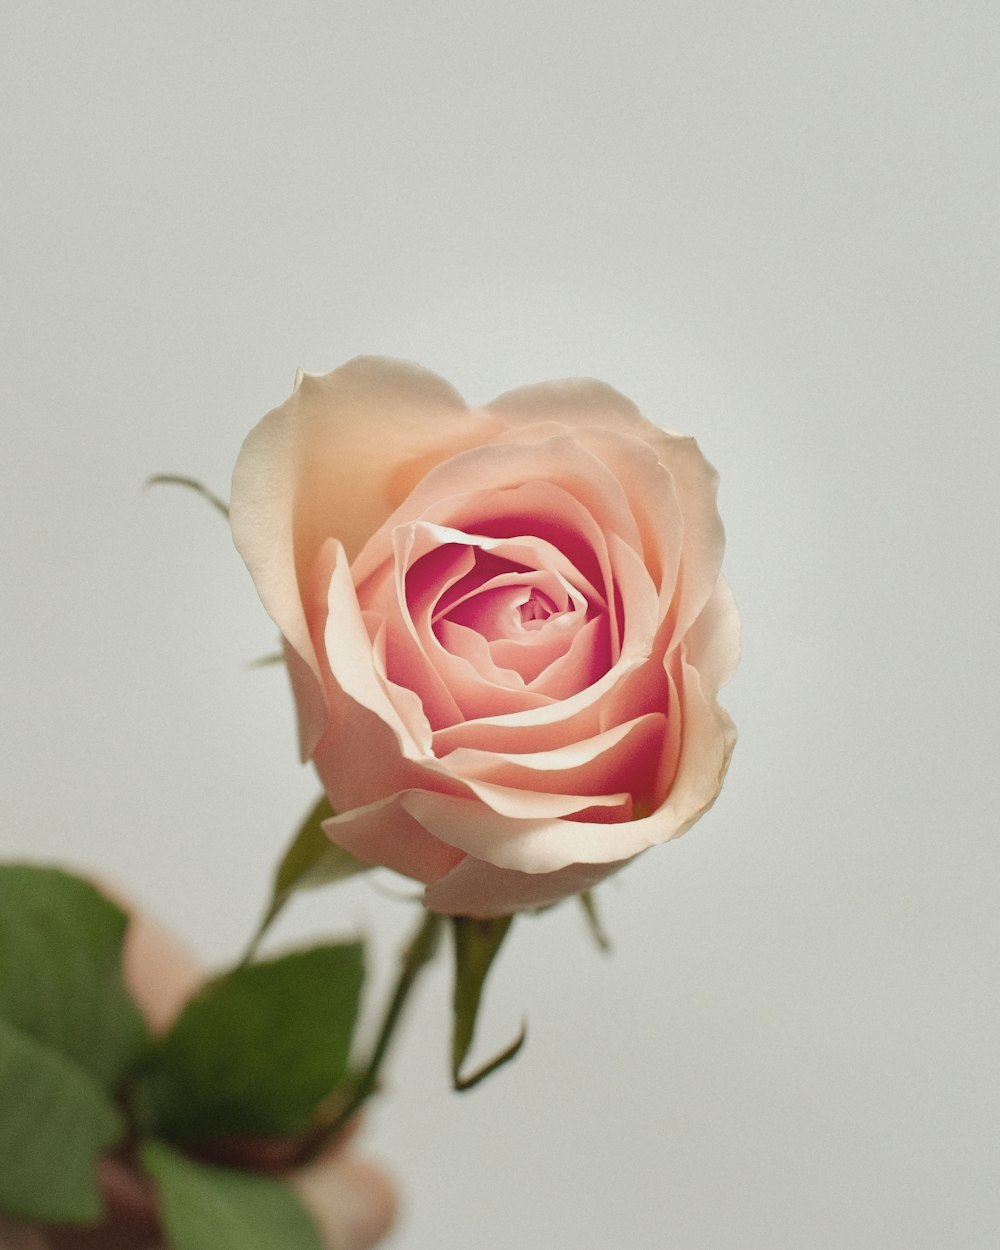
column 191, row 483
column 55, row 1123
column 257, row 1050
column 60, row 970
column 210, row 1208
column 476, row 945
column 311, row 860
column 595, row 928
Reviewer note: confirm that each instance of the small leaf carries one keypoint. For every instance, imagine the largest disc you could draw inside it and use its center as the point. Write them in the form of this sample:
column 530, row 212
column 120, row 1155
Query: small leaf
column 55, row 1123
column 311, row 860
column 596, row 929
column 60, row 970
column 476, row 945
column 210, row 1208
column 191, row 483
column 257, row 1050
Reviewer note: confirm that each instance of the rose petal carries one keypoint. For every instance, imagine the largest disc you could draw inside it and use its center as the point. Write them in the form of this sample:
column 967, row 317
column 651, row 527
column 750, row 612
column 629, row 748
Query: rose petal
column 475, row 888
column 348, row 652
column 588, row 761
column 446, row 496
column 385, row 833
column 333, row 461
column 585, row 403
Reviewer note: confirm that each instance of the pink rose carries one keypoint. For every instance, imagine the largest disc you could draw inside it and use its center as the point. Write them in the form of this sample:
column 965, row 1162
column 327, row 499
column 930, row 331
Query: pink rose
column 505, row 627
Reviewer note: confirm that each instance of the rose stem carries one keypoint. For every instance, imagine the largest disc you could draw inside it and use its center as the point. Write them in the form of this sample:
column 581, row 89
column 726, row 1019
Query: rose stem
column 415, row 956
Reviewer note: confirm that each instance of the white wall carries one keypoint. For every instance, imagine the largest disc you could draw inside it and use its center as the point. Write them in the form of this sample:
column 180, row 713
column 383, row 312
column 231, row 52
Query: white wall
column 774, row 226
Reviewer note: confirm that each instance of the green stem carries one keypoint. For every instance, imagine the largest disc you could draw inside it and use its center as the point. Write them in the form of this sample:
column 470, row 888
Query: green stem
column 415, row 957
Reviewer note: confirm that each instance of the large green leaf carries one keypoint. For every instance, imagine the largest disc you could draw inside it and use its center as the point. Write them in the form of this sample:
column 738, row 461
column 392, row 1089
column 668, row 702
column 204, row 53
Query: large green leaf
column 210, row 1208
column 55, row 1121
column 476, row 945
column 311, row 860
column 256, row 1050
column 60, row 970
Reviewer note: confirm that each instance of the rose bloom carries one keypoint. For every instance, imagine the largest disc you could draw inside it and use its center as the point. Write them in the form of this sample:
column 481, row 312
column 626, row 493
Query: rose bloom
column 505, row 627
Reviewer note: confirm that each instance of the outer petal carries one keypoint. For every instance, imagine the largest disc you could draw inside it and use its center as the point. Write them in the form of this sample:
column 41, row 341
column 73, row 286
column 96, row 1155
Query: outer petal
column 385, row 833
column 573, row 402
column 474, row 888
column 333, row 461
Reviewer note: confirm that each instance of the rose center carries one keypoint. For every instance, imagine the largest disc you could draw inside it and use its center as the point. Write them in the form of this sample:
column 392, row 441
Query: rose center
column 509, row 621
column 535, row 610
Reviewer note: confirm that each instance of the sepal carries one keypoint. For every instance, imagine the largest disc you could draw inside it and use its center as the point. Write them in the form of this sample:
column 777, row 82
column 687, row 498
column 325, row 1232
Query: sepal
column 310, row 861
column 476, row 944
column 190, row 483
column 594, row 926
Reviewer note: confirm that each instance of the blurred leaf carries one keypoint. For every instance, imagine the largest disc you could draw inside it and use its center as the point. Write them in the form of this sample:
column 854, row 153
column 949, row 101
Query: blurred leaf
column 210, row 1208
column 596, row 929
column 311, row 860
column 191, row 483
column 256, row 1050
column 476, row 945
column 60, row 970
column 55, row 1123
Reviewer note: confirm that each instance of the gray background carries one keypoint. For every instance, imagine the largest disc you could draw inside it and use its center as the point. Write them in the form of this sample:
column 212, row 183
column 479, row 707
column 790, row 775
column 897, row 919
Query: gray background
column 771, row 224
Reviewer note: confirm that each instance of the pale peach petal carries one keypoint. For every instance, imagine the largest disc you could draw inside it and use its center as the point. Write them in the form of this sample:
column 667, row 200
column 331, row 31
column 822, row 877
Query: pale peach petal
column 385, row 833
column 349, row 655
column 707, row 741
column 586, row 660
column 622, row 759
column 478, row 889
column 333, row 461
column 525, row 733
column 712, row 644
column 550, row 712
column 311, row 706
column 662, row 776
column 483, row 675
column 637, row 597
column 465, row 491
column 408, row 632
column 359, row 761
column 696, row 483
column 582, row 403
column 652, row 498
column 574, row 402
column 480, row 688
column 522, row 805
column 535, row 843
column 409, row 705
